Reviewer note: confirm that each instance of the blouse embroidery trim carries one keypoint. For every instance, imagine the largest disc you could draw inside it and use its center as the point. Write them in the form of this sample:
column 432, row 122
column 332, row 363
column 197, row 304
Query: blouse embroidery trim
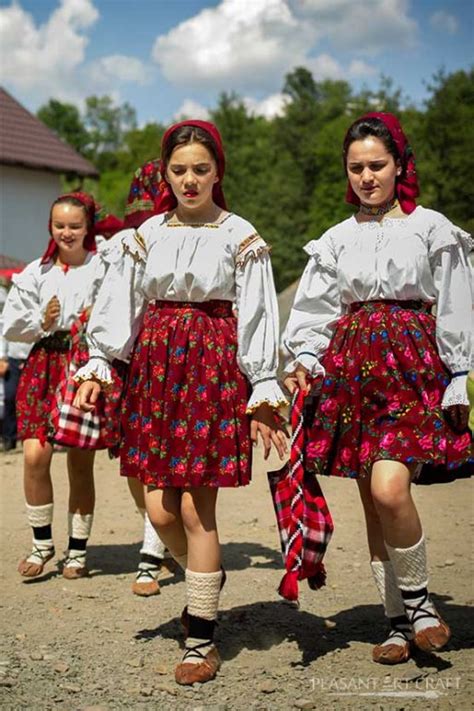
column 252, row 248
column 211, row 225
column 137, row 250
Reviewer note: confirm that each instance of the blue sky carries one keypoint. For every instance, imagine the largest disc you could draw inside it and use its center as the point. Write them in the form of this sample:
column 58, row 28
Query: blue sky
column 173, row 57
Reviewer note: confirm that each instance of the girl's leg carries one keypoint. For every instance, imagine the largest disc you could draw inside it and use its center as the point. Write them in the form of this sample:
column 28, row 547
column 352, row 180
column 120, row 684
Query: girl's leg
column 152, row 552
column 203, row 584
column 80, row 465
column 405, row 544
column 164, row 511
column 396, row 648
column 39, row 505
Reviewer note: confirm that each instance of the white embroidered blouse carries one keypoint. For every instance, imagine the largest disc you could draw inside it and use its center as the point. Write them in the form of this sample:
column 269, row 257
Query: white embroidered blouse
column 170, row 261
column 33, row 288
column 422, row 257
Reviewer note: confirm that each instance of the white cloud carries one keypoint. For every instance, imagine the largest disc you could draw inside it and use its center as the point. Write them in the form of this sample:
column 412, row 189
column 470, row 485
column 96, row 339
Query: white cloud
column 444, row 22
column 242, row 43
column 121, row 68
column 324, row 67
column 359, row 68
column 40, row 61
column 46, row 56
column 190, row 109
column 271, row 106
column 368, row 27
column 246, row 44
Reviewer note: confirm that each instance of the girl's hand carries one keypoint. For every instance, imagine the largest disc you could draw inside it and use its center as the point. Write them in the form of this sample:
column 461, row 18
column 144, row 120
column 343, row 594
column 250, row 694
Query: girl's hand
column 87, row 395
column 457, row 416
column 51, row 315
column 271, row 430
column 297, row 379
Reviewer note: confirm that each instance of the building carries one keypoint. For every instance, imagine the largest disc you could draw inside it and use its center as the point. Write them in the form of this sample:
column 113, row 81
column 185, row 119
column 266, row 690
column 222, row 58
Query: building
column 32, row 161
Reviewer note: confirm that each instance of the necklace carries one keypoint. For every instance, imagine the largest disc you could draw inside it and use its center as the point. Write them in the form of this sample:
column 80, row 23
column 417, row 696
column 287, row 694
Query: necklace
column 378, row 210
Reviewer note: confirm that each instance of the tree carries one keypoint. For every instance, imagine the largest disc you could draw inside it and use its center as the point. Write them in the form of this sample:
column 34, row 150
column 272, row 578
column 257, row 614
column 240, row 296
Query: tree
column 107, row 125
column 449, row 137
column 66, row 121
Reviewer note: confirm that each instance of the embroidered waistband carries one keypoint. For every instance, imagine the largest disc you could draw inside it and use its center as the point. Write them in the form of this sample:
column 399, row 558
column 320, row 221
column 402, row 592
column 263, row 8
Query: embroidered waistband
column 215, row 307
column 410, row 304
column 58, row 341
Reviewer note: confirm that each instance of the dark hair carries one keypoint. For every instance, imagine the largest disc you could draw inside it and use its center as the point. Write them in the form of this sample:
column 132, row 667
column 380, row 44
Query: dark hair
column 70, row 200
column 189, row 134
column 372, row 126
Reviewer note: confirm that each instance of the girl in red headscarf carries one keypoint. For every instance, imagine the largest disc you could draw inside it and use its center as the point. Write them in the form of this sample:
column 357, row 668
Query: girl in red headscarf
column 51, row 297
column 389, row 391
column 202, row 381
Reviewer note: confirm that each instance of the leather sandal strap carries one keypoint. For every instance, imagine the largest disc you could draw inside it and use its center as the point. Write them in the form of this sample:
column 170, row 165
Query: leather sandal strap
column 42, row 553
column 418, row 612
column 194, row 651
column 147, row 573
column 73, row 558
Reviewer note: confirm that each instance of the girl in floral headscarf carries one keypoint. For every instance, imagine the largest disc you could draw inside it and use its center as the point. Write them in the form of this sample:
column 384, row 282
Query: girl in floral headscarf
column 202, row 382
column 48, row 302
column 388, row 377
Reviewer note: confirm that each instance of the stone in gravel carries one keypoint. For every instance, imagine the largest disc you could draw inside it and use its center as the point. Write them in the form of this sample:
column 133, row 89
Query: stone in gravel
column 449, row 562
column 161, row 669
column 20, row 637
column 305, row 704
column 7, row 682
column 329, row 624
column 167, row 688
column 95, row 708
column 72, row 688
column 137, row 662
column 267, row 687
column 146, row 691
column 61, row 667
column 36, row 656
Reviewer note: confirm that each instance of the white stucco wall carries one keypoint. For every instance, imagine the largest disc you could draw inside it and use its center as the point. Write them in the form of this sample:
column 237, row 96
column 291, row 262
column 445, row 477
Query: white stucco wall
column 25, row 199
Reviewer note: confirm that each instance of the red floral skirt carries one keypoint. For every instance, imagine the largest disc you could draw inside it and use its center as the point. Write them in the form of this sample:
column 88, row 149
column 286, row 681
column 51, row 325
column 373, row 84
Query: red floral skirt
column 183, row 414
column 381, row 395
column 41, row 382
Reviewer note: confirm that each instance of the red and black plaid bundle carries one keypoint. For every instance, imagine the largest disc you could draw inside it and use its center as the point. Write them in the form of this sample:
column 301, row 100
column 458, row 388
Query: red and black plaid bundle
column 303, row 517
column 70, row 426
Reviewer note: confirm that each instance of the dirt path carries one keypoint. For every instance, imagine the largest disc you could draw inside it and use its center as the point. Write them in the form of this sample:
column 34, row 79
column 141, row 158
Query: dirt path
column 90, row 644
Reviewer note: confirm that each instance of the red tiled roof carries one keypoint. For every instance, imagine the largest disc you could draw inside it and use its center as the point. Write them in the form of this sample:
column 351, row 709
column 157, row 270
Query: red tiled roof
column 25, row 140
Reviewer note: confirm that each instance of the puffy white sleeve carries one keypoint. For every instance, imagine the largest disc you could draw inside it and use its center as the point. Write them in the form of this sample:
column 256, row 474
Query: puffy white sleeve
column 118, row 310
column 453, row 279
column 258, row 325
column 315, row 311
column 22, row 314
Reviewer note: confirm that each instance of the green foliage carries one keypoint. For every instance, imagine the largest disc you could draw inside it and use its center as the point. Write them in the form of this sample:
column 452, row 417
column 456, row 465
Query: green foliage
column 286, row 175
column 66, row 121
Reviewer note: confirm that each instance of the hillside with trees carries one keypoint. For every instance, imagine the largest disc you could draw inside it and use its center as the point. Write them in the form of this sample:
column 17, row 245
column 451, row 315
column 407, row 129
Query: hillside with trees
column 286, row 174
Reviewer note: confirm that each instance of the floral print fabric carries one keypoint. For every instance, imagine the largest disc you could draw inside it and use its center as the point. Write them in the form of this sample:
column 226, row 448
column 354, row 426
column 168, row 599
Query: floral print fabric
column 381, row 394
column 44, row 377
column 183, row 416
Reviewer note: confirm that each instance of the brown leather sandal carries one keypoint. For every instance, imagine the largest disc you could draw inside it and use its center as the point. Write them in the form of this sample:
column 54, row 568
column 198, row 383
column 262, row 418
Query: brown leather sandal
column 431, row 639
column 188, row 674
column 31, row 569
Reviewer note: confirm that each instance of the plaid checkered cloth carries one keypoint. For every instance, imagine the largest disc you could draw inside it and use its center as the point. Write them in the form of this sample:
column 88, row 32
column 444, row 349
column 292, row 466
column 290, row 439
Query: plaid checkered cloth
column 71, row 426
column 304, row 521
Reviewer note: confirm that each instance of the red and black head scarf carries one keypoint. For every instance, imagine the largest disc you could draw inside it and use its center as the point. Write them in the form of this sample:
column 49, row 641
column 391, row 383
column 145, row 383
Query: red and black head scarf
column 166, row 200
column 406, row 186
column 98, row 223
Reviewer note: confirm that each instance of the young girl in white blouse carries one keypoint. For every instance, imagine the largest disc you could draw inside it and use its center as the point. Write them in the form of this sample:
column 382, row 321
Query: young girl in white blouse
column 197, row 371
column 45, row 301
column 389, row 378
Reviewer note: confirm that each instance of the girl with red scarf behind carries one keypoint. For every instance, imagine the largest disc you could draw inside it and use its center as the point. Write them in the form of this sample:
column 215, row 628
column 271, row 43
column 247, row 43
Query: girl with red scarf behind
column 202, row 381
column 388, row 378
column 48, row 303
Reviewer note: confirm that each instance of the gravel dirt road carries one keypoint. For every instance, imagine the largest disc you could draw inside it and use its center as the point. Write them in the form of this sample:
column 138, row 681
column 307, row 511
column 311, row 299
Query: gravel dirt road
column 92, row 645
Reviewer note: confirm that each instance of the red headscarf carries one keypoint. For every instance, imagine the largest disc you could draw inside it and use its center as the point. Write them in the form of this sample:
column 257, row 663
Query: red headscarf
column 97, row 224
column 166, row 200
column 406, row 186
column 144, row 194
